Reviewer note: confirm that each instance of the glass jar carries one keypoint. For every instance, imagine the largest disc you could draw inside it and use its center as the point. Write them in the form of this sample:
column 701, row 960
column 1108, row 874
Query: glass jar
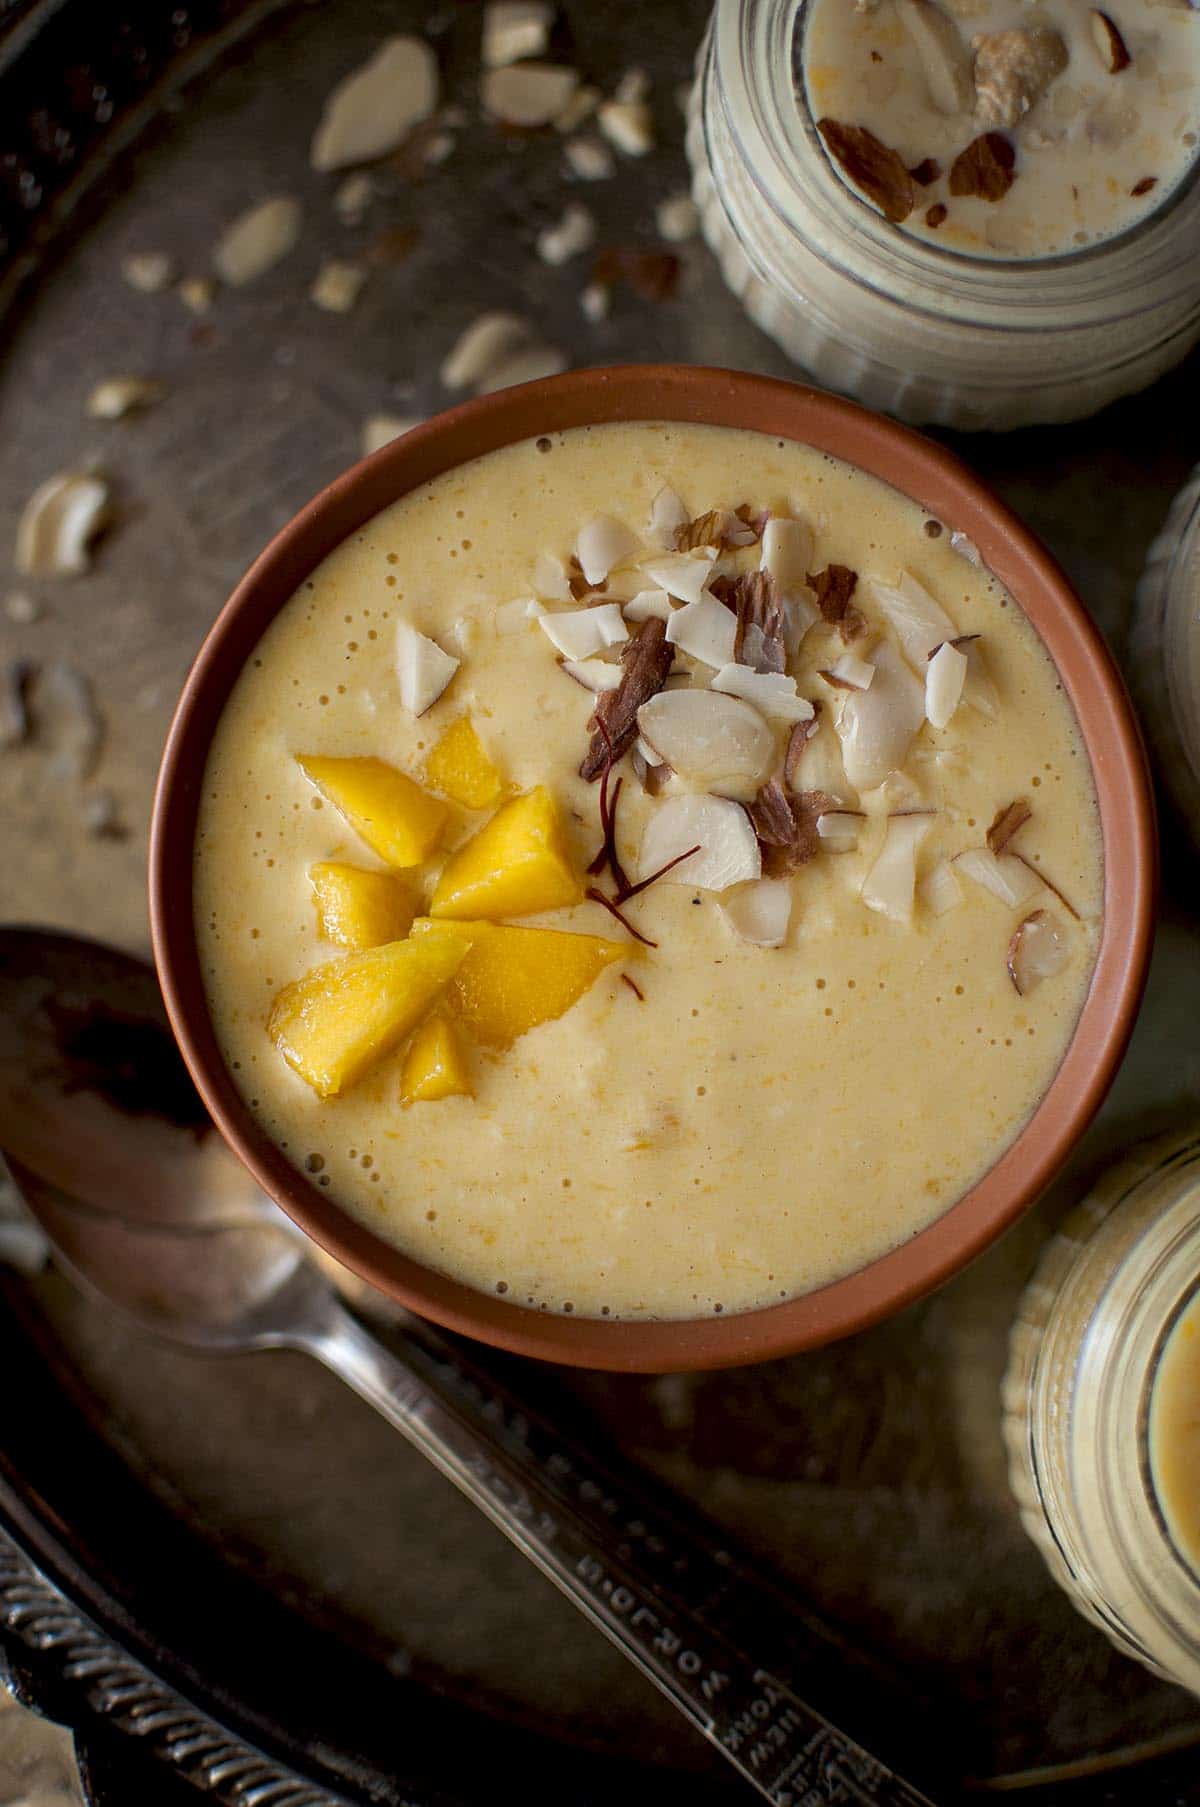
column 926, row 333
column 1086, row 1346
column 1166, row 649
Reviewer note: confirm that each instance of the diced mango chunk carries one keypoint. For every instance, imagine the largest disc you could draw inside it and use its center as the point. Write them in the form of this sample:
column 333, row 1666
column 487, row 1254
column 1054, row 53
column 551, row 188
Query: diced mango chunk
column 517, row 864
column 337, row 1021
column 395, row 817
column 459, row 767
column 358, row 908
column 512, row 978
column 436, row 1063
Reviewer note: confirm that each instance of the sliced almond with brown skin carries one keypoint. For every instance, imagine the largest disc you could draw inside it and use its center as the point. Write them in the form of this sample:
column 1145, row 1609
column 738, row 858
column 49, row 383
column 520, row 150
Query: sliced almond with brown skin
column 985, row 169
column 1110, row 45
column 1037, row 951
column 645, row 666
column 1144, row 186
column 926, row 172
column 833, row 587
column 872, row 166
column 1007, row 821
column 935, row 215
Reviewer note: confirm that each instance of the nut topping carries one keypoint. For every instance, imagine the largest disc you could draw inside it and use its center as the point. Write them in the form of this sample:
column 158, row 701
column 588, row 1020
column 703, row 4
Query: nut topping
column 872, row 166
column 985, row 168
column 944, row 60
column 1110, row 45
column 1013, row 69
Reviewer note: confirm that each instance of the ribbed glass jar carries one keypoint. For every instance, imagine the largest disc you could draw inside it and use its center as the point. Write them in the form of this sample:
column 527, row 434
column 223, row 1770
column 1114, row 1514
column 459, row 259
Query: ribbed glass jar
column 905, row 326
column 1086, row 1346
column 1166, row 649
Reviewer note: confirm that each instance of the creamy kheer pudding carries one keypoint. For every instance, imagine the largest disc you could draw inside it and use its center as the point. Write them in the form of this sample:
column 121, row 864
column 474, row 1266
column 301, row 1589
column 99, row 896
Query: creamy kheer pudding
column 1003, row 129
column 1175, row 1434
column 750, row 852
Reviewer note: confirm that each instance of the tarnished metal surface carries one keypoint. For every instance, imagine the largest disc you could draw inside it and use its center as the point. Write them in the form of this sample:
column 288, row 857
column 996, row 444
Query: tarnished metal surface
column 872, row 1473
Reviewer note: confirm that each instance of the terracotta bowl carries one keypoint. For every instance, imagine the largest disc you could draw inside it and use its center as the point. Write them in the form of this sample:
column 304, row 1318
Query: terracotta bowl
column 910, row 464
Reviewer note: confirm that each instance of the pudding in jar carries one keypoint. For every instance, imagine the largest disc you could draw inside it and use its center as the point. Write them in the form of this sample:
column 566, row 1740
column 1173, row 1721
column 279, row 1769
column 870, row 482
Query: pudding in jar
column 650, row 871
column 1005, row 130
column 1175, row 1434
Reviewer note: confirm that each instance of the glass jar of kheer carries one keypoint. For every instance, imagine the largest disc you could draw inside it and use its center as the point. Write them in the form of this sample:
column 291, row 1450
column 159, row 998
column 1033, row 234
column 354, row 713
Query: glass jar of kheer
column 1102, row 1407
column 1017, row 253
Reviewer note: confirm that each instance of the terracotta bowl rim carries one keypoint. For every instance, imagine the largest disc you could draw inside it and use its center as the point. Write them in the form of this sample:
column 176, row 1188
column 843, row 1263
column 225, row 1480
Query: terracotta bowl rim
column 917, row 467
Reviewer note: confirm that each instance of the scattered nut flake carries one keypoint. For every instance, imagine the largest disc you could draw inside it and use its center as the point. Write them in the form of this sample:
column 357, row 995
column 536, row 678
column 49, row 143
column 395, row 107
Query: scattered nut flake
column 150, row 272
column 705, row 630
column 668, row 512
column 602, row 544
column 872, row 166
column 652, row 275
column 579, row 633
column 833, row 588
column 550, row 578
column 979, row 692
column 528, row 94
column 940, row 890
column 589, row 159
column 1037, row 951
column 581, row 106
column 682, row 575
column 627, row 124
column 437, row 148
column 594, row 674
column 595, row 302
column 945, row 61
column 527, row 366
column 677, row 218
column 926, row 172
column 1004, row 875
column 714, row 742
column 760, row 912
column 353, row 196
column 1144, row 186
column 379, row 430
column 761, row 639
column 1007, row 822
column 876, row 727
column 838, row 830
column 513, row 29
column 22, row 608
column 482, row 347
column 515, row 617
column 120, row 395
column 257, row 240
column 58, row 524
column 850, row 673
column 1110, row 45
column 423, row 669
column 813, row 761
column 966, row 548
column 721, row 831
column 633, row 87
column 890, row 885
column 945, row 676
column 985, row 168
column 338, row 286
column 1013, row 69
column 574, row 233
column 70, row 721
column 936, row 215
column 919, row 623
column 647, row 603
column 646, row 660
column 771, row 691
column 787, row 549
column 373, row 109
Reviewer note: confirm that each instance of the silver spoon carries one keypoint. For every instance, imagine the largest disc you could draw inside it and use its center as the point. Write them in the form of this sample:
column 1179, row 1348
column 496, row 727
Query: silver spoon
column 108, row 1142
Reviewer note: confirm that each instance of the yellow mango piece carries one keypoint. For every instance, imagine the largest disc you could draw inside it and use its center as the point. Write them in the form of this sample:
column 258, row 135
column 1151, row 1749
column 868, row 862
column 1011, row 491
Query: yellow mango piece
column 459, row 767
column 395, row 817
column 512, row 978
column 517, row 864
column 436, row 1064
column 357, row 908
column 338, row 1020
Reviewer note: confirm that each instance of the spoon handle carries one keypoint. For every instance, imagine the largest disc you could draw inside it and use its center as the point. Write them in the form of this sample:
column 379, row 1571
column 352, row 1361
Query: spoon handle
column 643, row 1577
